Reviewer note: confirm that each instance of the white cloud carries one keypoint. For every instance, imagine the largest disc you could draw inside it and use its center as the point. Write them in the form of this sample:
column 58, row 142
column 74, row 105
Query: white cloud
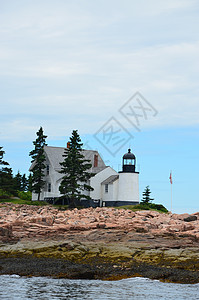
column 74, row 64
column 154, row 7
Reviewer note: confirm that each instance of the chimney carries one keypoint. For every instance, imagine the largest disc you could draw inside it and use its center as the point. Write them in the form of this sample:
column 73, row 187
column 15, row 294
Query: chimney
column 68, row 145
column 95, row 160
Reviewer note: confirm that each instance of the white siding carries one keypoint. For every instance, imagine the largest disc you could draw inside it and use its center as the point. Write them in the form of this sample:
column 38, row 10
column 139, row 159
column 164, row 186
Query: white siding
column 128, row 187
column 95, row 182
column 107, row 196
column 115, row 189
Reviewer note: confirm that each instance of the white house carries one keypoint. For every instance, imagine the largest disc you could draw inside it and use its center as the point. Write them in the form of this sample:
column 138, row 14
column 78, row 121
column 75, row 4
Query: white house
column 110, row 187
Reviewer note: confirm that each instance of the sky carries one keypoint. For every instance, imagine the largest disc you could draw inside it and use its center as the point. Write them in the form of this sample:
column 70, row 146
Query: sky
column 124, row 73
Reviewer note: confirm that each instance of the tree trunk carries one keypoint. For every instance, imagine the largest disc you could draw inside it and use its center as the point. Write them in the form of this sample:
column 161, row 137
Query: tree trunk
column 38, row 198
column 72, row 201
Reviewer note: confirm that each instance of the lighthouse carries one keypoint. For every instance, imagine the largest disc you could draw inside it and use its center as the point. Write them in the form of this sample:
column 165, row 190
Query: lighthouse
column 128, row 189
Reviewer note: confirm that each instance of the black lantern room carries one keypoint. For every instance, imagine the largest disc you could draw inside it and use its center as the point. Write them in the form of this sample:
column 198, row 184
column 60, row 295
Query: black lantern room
column 129, row 162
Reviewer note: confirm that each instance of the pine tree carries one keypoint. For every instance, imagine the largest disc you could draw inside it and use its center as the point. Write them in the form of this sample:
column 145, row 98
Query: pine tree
column 2, row 162
column 146, row 196
column 6, row 176
column 18, row 181
column 29, row 183
column 38, row 158
column 24, row 183
column 76, row 172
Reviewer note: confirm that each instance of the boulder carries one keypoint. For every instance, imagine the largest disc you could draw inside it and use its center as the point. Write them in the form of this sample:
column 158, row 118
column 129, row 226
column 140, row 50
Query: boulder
column 180, row 216
column 6, row 233
column 190, row 218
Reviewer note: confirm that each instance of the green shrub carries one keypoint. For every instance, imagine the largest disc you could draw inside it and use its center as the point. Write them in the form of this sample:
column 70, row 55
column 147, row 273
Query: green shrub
column 145, row 206
column 25, row 195
column 38, row 203
column 4, row 194
column 159, row 207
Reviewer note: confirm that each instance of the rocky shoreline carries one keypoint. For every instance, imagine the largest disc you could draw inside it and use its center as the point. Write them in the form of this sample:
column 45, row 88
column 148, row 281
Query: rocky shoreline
column 101, row 243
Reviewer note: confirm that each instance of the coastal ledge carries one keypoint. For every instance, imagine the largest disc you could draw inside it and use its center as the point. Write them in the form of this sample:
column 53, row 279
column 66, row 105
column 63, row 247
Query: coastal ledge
column 102, row 243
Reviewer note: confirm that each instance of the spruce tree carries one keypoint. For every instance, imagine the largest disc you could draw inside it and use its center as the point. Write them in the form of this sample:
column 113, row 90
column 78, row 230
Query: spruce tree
column 18, row 181
column 6, row 176
column 2, row 162
column 76, row 172
column 146, row 196
column 7, row 181
column 24, row 183
column 29, row 183
column 38, row 158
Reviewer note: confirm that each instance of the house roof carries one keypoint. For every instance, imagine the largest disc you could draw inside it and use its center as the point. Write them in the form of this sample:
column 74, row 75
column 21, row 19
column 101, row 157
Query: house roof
column 110, row 179
column 55, row 156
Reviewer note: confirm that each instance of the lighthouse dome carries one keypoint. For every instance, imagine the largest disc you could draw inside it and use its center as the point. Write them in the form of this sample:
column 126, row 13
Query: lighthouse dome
column 129, row 155
column 129, row 162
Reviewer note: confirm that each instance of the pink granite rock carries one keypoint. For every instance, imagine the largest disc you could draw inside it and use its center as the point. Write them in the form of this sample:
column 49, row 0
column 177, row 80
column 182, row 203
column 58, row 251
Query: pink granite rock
column 6, row 232
column 180, row 216
column 27, row 221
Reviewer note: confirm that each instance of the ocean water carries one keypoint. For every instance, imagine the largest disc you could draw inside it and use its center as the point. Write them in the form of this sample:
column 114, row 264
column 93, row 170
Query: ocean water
column 42, row 288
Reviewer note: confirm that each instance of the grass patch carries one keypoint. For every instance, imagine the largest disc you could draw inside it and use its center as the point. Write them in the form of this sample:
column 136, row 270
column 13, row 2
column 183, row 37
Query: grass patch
column 25, row 195
column 22, row 198
column 21, row 201
column 150, row 206
column 61, row 207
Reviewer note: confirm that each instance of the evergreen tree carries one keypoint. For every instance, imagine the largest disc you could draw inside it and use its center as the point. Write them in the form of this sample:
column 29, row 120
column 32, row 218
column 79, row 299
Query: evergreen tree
column 38, row 158
column 24, row 183
column 7, row 181
column 76, row 172
column 2, row 162
column 6, row 176
column 29, row 183
column 146, row 196
column 18, row 182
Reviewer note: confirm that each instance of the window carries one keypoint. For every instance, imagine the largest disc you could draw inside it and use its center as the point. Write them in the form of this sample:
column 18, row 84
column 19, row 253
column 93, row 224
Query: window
column 95, row 160
column 49, row 187
column 129, row 161
column 47, row 170
column 106, row 188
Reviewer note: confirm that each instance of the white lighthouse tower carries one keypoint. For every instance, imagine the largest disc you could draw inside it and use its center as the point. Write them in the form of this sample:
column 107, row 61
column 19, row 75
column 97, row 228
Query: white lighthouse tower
column 128, row 189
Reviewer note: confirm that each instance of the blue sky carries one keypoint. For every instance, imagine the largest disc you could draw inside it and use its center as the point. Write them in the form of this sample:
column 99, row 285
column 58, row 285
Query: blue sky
column 68, row 65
